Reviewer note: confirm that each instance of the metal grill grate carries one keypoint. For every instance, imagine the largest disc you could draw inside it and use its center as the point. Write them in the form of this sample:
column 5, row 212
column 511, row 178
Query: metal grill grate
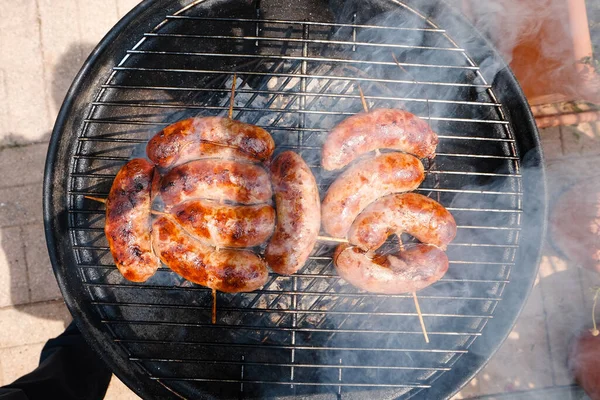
column 310, row 333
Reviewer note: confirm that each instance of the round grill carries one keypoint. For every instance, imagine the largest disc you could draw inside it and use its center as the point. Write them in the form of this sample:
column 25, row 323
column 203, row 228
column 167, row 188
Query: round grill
column 299, row 68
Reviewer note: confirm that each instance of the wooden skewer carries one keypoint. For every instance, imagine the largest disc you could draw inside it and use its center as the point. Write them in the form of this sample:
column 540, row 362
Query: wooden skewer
column 366, row 109
column 98, row 199
column 363, row 99
column 417, row 306
column 420, row 317
column 232, row 96
column 214, row 306
column 331, row 239
column 155, row 212
column 403, row 69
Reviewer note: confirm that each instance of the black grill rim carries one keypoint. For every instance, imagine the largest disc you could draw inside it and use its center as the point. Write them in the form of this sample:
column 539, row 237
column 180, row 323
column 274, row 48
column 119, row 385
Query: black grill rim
column 150, row 13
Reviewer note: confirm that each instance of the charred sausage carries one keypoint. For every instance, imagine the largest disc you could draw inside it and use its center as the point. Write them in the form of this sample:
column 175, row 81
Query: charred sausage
column 127, row 226
column 298, row 214
column 224, row 225
column 412, row 213
column 408, row 271
column 227, row 270
column 195, row 138
column 365, row 182
column 216, row 179
column 379, row 129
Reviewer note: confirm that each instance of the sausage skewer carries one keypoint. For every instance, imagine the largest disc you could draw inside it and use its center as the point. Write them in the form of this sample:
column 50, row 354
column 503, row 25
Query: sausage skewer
column 414, row 294
column 214, row 291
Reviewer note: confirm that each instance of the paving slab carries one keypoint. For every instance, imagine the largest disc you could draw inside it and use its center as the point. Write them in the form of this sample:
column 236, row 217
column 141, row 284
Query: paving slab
column 22, row 165
column 551, row 143
column 117, row 390
column 60, row 26
column 23, row 74
column 18, row 361
column 4, row 120
column 42, row 283
column 14, row 288
column 104, row 18
column 583, row 139
column 124, row 6
column 21, row 205
column 32, row 323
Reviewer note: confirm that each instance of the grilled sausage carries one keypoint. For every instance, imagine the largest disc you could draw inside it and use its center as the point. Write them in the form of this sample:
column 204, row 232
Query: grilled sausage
column 227, row 270
column 224, row 225
column 127, row 226
column 195, row 138
column 408, row 271
column 298, row 214
column 412, row 213
column 365, row 182
column 216, row 179
column 379, row 129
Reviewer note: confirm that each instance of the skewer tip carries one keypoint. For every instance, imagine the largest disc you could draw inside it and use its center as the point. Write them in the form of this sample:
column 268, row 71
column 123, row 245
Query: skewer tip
column 214, row 306
column 98, row 199
column 363, row 99
column 230, row 114
column 421, row 321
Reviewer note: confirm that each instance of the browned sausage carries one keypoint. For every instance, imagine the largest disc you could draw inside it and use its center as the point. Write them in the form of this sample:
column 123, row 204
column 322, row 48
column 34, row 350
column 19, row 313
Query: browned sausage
column 412, row 213
column 216, row 179
column 365, row 182
column 408, row 271
column 217, row 137
column 127, row 226
column 298, row 214
column 379, row 129
column 225, row 270
column 224, row 225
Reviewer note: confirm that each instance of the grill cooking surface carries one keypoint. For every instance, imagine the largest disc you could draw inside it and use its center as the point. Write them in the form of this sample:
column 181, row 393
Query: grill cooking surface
column 311, row 333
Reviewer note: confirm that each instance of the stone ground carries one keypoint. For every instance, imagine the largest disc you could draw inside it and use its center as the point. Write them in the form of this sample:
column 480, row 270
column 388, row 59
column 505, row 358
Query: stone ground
column 43, row 44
